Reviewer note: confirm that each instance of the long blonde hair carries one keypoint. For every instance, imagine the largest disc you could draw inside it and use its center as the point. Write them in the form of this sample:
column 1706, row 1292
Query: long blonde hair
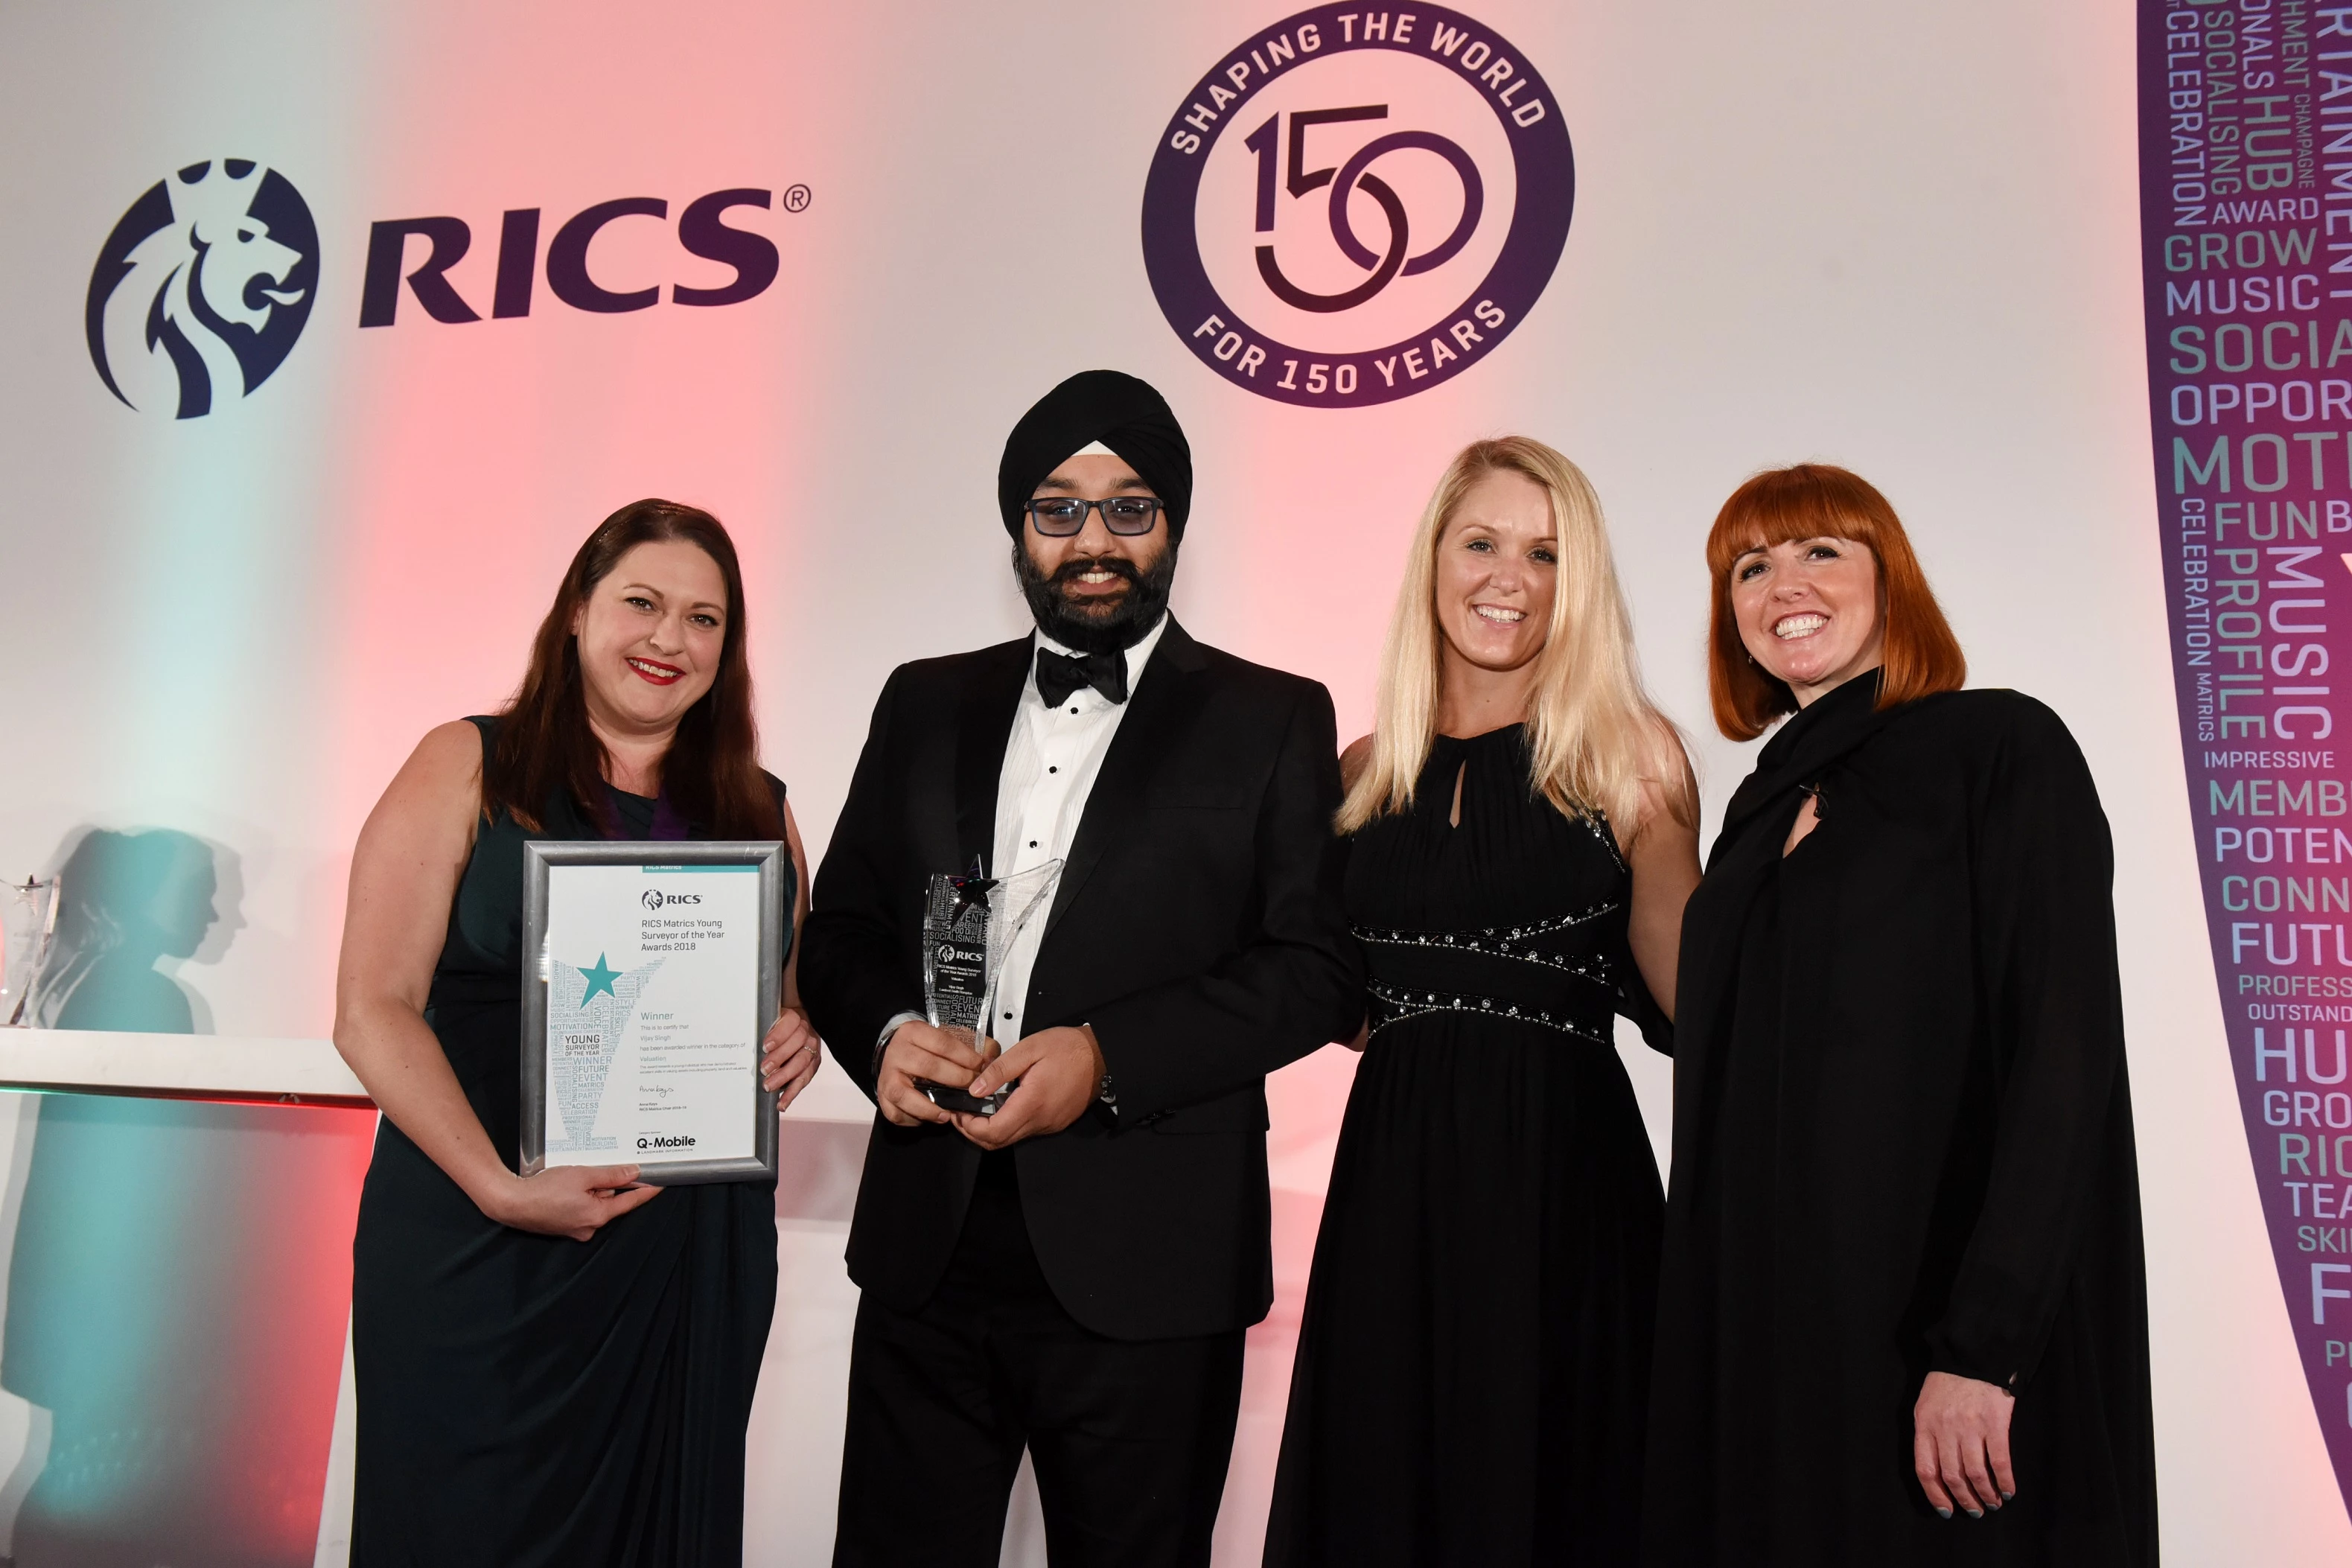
column 1595, row 741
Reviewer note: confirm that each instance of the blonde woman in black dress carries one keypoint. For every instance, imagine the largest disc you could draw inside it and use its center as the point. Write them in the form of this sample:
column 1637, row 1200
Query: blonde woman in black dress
column 1473, row 1368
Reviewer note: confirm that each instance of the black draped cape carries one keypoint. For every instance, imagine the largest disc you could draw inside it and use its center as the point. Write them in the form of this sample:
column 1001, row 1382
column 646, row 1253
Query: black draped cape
column 1902, row 1142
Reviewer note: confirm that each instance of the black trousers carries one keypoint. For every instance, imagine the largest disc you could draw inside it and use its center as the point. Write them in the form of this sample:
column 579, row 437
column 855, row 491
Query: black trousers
column 1130, row 1439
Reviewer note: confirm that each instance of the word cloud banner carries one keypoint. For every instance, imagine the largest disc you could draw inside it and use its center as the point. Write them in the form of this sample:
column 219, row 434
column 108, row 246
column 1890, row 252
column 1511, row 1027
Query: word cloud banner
column 2246, row 229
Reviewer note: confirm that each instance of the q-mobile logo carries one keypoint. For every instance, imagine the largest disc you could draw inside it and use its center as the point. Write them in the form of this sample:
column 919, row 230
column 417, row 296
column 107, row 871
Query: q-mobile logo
column 654, row 899
column 667, row 1141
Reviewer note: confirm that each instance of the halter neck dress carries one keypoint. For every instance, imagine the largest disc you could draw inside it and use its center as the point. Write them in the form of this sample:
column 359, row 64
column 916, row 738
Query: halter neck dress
column 1473, row 1366
column 532, row 1400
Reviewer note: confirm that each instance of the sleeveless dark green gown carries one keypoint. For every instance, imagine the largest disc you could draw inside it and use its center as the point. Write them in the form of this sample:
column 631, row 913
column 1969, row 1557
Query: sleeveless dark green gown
column 527, row 1399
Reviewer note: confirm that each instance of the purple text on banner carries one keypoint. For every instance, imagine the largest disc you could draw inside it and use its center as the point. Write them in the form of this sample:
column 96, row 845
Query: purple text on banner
column 2246, row 251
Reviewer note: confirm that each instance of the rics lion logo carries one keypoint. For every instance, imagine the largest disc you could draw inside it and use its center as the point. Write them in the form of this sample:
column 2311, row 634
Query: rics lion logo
column 202, row 289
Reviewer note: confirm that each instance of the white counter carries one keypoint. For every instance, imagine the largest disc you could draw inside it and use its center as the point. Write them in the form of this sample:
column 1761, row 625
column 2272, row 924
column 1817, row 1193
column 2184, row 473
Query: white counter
column 231, row 1067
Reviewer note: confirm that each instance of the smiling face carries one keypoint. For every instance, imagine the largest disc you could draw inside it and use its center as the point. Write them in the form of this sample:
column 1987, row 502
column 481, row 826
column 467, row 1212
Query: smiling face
column 1497, row 568
column 1808, row 612
column 650, row 636
column 1095, row 589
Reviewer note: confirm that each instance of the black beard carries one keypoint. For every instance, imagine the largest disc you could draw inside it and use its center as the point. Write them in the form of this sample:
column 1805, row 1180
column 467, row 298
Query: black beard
column 1114, row 630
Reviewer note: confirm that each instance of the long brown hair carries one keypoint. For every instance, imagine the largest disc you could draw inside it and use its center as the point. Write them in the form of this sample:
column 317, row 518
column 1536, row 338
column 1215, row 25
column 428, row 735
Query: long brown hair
column 545, row 748
column 1816, row 501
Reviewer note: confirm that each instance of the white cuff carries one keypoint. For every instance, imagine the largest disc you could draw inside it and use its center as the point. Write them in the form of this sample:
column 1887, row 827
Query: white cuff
column 889, row 1029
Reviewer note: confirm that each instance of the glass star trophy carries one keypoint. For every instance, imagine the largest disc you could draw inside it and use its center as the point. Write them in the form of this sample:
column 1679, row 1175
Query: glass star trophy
column 970, row 923
column 29, row 920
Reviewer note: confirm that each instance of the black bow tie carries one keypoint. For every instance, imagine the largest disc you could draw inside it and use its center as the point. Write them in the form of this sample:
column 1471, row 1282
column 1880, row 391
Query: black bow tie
column 1059, row 674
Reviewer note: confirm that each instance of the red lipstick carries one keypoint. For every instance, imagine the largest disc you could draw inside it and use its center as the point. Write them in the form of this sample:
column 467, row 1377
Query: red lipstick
column 656, row 671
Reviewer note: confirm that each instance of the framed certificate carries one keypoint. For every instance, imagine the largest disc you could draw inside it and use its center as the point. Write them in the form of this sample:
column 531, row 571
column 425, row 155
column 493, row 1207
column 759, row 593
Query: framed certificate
column 651, row 972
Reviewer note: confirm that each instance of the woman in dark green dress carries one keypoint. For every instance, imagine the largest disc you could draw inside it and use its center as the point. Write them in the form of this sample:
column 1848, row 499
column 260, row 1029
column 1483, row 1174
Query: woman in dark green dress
column 555, row 1370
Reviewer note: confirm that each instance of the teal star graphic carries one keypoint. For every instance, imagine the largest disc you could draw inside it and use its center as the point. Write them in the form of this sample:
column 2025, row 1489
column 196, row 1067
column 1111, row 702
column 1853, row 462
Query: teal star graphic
column 599, row 979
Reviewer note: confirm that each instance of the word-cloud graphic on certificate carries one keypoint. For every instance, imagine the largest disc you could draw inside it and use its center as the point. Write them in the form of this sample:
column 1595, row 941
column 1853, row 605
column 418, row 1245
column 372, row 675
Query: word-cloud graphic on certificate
column 587, row 1010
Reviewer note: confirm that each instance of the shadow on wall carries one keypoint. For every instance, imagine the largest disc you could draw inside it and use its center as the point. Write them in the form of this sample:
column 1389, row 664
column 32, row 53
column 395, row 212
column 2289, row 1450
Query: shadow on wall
column 180, row 1276
column 130, row 901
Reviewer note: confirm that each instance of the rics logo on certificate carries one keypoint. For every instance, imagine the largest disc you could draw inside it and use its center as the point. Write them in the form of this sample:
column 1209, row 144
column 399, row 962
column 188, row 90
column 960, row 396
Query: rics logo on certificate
column 658, row 980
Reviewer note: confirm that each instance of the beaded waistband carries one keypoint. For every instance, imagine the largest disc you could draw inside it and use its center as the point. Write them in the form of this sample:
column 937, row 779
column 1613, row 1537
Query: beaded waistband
column 1395, row 1004
column 1508, row 942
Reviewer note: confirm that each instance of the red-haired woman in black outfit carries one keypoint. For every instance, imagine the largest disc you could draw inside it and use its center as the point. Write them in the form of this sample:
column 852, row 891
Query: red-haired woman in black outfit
column 1902, row 1313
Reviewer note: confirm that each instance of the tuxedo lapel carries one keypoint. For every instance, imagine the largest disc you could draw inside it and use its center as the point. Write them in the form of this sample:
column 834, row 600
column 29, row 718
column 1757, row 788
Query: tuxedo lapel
column 1169, row 693
column 992, row 702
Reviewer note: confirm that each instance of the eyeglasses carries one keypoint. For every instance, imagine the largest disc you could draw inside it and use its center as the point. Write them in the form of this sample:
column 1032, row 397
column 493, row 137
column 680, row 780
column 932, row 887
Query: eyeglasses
column 1059, row 516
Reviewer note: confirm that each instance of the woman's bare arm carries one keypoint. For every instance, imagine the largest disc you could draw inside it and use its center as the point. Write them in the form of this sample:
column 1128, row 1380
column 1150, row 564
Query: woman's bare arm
column 1353, row 763
column 1664, row 858
column 800, row 907
column 404, row 874
column 789, row 1055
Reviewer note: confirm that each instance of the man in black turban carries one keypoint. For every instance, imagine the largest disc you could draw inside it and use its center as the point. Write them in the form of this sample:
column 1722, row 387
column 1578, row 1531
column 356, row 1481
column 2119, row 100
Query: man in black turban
column 1061, row 1243
column 1101, row 431
column 1098, row 408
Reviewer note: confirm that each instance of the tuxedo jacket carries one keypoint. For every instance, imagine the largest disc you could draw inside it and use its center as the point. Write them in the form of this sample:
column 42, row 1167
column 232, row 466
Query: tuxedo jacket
column 1197, row 926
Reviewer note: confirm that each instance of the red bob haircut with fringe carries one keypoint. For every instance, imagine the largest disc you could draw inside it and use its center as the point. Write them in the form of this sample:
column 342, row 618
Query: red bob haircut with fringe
column 1818, row 500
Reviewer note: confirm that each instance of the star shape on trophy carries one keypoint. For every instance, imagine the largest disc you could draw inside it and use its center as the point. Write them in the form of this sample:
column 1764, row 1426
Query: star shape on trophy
column 599, row 978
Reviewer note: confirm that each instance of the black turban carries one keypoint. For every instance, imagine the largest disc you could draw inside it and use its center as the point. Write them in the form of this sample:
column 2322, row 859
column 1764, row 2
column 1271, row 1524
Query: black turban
column 1106, row 405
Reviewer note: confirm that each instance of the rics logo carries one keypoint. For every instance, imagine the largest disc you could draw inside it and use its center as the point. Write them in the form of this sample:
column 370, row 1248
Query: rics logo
column 202, row 289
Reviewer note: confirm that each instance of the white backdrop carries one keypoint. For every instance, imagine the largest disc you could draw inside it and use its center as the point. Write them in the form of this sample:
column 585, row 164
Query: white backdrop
column 1902, row 238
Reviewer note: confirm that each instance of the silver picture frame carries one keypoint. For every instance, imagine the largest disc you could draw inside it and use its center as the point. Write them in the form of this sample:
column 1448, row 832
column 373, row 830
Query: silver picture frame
column 775, row 935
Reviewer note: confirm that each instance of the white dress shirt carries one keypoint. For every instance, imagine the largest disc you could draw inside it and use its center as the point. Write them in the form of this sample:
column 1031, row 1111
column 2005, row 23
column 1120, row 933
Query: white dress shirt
column 1051, row 761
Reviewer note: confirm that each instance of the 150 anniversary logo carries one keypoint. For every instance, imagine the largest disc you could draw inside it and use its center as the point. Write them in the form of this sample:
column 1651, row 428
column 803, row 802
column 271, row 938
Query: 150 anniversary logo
column 1393, row 197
